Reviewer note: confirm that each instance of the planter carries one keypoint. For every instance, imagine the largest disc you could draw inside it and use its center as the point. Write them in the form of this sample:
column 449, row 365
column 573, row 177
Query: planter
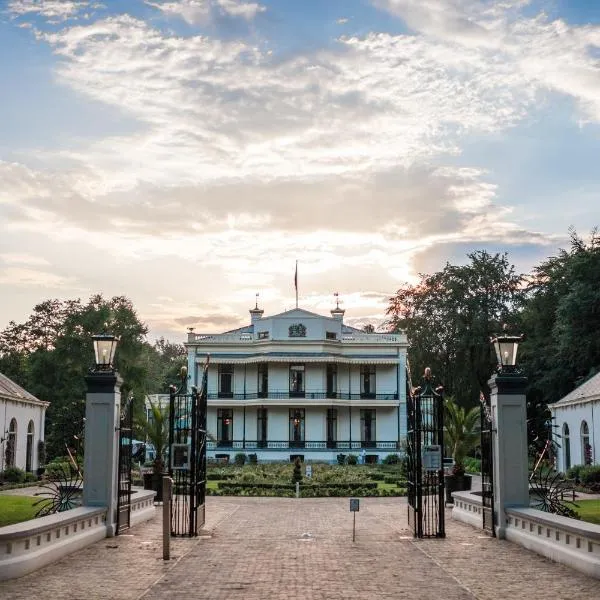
column 456, row 483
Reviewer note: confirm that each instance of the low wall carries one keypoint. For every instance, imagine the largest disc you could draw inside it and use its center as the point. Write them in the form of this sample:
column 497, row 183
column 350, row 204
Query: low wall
column 567, row 541
column 468, row 508
column 28, row 546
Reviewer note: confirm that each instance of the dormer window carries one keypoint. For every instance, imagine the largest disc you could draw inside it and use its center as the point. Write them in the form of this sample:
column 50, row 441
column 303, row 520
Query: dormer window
column 330, row 335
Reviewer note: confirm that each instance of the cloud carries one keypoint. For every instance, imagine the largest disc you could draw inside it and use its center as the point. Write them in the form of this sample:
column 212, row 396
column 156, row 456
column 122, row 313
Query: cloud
column 201, row 11
column 24, row 277
column 56, row 11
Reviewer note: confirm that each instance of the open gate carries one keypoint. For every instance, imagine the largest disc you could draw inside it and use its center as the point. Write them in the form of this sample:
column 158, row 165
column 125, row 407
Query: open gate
column 487, row 465
column 125, row 460
column 425, row 443
column 187, row 455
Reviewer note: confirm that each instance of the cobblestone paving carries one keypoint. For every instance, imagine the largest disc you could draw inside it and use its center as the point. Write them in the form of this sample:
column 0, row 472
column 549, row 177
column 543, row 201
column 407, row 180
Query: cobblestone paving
column 268, row 548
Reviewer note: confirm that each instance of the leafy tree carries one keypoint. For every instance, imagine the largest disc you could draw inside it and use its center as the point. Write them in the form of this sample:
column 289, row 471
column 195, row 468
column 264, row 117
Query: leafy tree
column 449, row 317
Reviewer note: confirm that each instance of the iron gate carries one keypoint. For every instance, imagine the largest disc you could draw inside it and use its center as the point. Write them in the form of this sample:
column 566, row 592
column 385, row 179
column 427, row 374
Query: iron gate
column 187, row 455
column 125, row 459
column 425, row 443
column 487, row 465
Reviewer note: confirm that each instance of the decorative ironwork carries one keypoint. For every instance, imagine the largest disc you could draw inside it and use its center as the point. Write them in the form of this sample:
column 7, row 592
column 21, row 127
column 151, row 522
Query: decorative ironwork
column 187, row 455
column 125, row 464
column 62, row 492
column 548, row 489
column 487, row 465
column 297, row 330
column 425, row 441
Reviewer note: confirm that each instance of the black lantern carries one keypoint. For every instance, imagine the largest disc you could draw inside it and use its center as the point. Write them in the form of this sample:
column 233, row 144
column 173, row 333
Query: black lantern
column 506, row 347
column 104, row 349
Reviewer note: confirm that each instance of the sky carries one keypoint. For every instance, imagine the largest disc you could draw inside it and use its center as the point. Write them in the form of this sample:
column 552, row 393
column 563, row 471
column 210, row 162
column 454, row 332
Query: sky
column 186, row 153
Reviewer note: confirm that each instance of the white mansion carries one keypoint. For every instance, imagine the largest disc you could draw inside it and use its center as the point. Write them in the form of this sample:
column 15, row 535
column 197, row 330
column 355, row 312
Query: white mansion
column 299, row 383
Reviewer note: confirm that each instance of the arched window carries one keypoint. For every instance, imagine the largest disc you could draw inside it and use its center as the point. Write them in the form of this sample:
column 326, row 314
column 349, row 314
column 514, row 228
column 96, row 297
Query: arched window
column 11, row 444
column 586, row 449
column 29, row 454
column 566, row 443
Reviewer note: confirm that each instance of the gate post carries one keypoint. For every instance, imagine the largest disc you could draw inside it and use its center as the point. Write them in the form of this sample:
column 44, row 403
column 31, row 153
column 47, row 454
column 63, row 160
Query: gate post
column 509, row 438
column 101, row 458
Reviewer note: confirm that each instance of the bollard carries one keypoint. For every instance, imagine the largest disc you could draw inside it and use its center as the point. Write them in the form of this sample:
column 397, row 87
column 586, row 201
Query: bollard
column 167, row 493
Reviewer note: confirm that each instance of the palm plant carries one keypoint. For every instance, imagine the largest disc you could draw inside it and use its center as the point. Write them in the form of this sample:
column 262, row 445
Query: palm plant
column 461, row 432
column 156, row 429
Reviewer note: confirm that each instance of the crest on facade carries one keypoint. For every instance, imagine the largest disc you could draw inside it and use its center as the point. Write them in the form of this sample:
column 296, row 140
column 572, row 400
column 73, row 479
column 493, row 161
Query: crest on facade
column 297, row 330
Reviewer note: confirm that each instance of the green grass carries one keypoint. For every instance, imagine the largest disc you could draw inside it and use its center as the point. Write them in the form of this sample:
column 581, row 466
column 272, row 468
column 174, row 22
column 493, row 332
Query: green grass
column 15, row 509
column 589, row 510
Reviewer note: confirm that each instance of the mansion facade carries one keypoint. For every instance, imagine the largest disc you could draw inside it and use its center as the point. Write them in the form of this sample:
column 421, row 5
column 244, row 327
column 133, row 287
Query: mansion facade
column 301, row 384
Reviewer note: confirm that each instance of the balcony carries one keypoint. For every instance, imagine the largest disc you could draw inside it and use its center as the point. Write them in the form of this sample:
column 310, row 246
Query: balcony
column 308, row 445
column 318, row 395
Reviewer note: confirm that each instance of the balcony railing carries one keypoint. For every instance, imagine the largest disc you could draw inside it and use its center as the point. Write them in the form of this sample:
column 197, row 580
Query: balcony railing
column 311, row 445
column 286, row 394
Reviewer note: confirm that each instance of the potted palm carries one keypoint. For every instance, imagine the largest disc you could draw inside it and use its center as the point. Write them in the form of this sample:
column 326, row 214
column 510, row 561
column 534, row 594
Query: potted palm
column 461, row 436
column 156, row 429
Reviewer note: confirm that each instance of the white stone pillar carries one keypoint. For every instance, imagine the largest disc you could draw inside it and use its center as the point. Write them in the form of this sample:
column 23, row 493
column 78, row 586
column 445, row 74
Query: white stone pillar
column 509, row 427
column 101, row 459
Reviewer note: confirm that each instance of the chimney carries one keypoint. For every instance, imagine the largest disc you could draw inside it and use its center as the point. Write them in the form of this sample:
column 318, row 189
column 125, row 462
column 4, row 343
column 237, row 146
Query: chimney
column 256, row 314
column 338, row 313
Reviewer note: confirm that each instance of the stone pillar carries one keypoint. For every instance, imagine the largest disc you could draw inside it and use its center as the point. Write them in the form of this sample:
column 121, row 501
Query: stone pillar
column 509, row 427
column 101, row 460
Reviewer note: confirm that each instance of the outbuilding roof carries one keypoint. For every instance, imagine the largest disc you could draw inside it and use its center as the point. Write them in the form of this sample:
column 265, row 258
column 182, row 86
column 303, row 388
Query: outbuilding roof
column 12, row 391
column 588, row 391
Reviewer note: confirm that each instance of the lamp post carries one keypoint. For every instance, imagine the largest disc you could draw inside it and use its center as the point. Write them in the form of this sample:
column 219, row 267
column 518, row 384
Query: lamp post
column 102, row 422
column 509, row 431
column 506, row 347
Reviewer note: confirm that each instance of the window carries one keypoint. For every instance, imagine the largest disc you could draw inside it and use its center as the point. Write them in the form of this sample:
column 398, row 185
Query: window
column 566, row 448
column 368, row 428
column 261, row 427
column 331, row 427
column 29, row 453
column 297, row 381
column 330, row 335
column 224, row 426
column 367, row 381
column 331, row 381
column 296, row 428
column 586, row 448
column 263, row 380
column 11, row 444
column 225, row 381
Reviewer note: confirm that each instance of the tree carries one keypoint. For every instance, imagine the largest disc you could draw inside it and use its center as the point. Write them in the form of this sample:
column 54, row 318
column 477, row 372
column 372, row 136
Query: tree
column 449, row 317
column 461, row 432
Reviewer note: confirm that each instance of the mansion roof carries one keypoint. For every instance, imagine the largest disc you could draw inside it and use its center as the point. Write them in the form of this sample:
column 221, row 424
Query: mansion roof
column 9, row 390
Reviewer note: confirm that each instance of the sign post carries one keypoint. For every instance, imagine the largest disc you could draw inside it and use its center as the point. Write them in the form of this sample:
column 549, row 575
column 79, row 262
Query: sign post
column 354, row 508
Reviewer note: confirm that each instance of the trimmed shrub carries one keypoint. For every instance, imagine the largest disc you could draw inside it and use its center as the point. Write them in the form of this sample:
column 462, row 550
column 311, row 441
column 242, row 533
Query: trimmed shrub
column 13, row 475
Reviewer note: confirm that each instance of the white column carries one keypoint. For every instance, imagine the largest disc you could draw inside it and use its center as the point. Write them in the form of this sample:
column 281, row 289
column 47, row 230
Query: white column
column 509, row 425
column 101, row 468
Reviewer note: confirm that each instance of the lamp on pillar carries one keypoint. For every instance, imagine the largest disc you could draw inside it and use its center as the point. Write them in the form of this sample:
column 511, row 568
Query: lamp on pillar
column 506, row 347
column 105, row 346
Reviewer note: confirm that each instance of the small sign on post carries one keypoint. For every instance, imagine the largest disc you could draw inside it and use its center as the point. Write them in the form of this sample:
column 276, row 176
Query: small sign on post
column 354, row 508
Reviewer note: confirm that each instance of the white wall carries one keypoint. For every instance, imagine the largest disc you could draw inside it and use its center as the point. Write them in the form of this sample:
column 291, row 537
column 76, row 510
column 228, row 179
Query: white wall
column 574, row 415
column 23, row 413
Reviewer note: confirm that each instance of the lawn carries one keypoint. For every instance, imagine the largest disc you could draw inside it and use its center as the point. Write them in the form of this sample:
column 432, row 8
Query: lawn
column 14, row 509
column 589, row 510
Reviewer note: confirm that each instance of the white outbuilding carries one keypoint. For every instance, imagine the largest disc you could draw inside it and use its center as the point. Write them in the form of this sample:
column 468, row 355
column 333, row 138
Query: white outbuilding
column 577, row 420
column 22, row 418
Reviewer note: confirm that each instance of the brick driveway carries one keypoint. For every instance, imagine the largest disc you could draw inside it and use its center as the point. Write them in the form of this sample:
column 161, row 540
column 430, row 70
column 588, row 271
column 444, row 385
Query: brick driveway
column 263, row 548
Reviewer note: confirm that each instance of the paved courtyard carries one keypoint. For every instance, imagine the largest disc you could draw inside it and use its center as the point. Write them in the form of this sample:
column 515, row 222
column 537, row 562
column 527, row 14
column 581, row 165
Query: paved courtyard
column 263, row 548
